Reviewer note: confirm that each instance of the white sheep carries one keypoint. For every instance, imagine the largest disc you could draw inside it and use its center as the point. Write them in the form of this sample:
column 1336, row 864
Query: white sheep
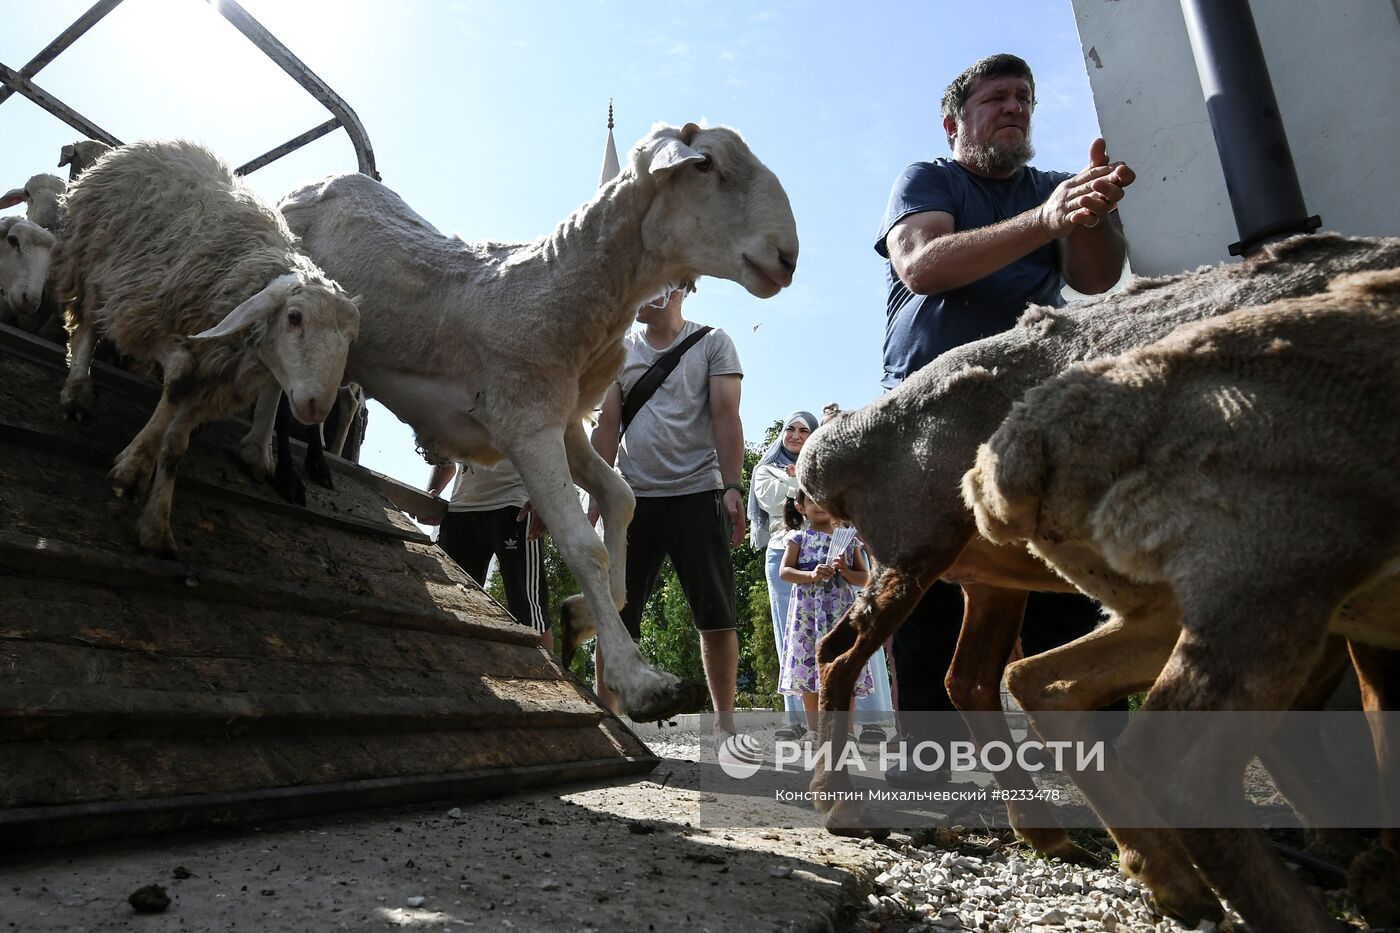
column 176, row 261
column 1238, row 479
column 25, row 256
column 40, row 195
column 490, row 349
column 79, row 155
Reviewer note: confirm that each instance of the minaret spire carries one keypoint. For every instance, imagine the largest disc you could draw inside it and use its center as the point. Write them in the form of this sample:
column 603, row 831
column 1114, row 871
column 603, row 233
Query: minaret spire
column 610, row 165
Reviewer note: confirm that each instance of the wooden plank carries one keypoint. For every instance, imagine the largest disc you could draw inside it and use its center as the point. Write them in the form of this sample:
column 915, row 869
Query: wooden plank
column 47, row 557
column 47, row 826
column 135, row 397
column 293, row 661
column 42, row 773
column 169, row 629
column 258, row 497
column 57, row 712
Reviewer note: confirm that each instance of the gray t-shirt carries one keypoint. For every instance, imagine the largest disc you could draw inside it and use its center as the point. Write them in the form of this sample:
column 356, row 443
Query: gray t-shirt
column 484, row 488
column 669, row 448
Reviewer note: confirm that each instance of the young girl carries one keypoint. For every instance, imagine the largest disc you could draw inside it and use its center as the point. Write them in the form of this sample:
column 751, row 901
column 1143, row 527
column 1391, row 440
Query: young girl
column 823, row 589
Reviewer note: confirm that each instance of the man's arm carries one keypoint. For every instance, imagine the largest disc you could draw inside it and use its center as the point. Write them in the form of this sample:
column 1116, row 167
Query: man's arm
column 607, row 433
column 1092, row 255
column 729, row 447
column 931, row 257
column 442, row 475
column 606, row 436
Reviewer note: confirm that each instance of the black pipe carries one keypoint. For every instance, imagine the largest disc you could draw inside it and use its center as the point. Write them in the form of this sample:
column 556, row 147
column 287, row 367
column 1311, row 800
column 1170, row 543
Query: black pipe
column 1244, row 116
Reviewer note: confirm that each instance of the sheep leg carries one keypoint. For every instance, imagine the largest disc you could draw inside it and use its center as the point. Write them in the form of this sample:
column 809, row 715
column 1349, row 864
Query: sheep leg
column 1111, row 662
column 135, row 467
column 255, row 450
column 1221, row 663
column 348, row 401
column 76, row 397
column 616, row 502
column 992, row 619
column 1371, row 880
column 1303, row 773
column 315, row 462
column 153, row 528
column 646, row 693
column 841, row 655
column 614, row 498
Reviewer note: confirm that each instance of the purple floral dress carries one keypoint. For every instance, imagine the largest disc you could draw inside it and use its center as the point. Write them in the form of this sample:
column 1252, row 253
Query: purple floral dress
column 812, row 611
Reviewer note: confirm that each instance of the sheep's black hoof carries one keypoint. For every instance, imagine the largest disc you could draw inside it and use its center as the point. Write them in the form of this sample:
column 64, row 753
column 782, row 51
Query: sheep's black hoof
column 320, row 472
column 288, row 484
column 683, row 697
column 77, row 401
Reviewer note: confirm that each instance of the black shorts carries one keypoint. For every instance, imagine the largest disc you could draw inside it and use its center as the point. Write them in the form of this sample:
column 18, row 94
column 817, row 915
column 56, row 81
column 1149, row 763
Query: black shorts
column 694, row 531
column 471, row 538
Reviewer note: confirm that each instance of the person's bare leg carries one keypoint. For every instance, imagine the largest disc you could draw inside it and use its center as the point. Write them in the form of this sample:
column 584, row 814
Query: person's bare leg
column 809, row 703
column 719, row 652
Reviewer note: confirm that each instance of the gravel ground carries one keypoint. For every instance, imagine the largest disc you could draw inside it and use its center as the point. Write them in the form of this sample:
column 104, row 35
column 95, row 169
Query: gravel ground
column 681, row 849
column 983, row 879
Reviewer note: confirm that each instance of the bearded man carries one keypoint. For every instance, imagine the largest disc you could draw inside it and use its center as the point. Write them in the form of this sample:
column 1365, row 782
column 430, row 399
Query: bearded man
column 971, row 241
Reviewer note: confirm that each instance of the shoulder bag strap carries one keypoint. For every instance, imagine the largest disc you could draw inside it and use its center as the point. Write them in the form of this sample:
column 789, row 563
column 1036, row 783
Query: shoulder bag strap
column 651, row 380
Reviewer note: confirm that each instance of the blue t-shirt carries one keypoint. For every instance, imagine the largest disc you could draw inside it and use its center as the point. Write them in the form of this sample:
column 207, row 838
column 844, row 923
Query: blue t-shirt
column 920, row 327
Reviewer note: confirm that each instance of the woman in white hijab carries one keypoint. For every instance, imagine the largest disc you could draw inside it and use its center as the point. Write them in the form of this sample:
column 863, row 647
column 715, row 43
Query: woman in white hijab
column 773, row 482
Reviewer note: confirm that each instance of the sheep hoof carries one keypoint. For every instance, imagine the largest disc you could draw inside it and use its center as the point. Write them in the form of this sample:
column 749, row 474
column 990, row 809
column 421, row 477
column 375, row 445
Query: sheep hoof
column 1177, row 890
column 576, row 627
column 288, row 483
column 77, row 400
column 1371, row 882
column 129, row 479
column 158, row 541
column 257, row 460
column 680, row 697
column 318, row 469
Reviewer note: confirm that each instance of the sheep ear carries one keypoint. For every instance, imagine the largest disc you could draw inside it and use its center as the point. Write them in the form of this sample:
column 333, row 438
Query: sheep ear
column 251, row 309
column 12, row 197
column 670, row 153
column 66, row 155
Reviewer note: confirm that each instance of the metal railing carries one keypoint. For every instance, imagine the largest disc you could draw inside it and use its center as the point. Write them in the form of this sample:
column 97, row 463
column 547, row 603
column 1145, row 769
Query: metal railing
column 342, row 116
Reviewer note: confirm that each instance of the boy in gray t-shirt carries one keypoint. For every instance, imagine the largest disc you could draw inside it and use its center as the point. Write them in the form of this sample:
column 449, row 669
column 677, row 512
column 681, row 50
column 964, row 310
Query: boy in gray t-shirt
column 683, row 456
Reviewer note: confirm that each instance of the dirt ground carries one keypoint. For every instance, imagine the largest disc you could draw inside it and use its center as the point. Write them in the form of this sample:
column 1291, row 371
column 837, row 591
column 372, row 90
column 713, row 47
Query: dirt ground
column 649, row 854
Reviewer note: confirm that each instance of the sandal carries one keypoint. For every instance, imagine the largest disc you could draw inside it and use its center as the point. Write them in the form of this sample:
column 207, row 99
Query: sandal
column 792, row 732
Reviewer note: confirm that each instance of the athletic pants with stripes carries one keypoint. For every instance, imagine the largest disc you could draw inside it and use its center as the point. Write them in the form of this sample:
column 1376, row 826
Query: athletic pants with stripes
column 472, row 538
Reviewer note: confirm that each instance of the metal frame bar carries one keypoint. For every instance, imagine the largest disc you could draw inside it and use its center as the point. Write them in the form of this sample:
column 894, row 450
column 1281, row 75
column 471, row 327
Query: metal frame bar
column 65, row 39
column 342, row 116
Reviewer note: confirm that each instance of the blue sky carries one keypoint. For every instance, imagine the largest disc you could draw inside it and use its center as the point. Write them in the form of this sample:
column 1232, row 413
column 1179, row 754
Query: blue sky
column 490, row 119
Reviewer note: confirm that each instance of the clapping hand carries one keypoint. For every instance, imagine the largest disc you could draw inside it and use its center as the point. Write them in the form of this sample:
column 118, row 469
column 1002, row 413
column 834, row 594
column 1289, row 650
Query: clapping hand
column 1085, row 199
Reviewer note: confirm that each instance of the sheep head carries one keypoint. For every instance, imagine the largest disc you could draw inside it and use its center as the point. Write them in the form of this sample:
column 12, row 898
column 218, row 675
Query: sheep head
column 41, row 196
column 79, row 155
column 718, row 210
column 307, row 325
column 26, row 251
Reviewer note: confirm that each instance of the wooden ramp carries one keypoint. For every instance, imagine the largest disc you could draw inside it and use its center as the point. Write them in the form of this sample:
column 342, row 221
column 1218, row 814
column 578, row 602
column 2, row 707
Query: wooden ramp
column 293, row 660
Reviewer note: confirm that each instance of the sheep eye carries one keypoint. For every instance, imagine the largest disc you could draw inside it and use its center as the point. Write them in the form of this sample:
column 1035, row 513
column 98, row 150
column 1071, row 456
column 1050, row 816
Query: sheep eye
column 294, row 318
column 14, row 241
column 705, row 164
